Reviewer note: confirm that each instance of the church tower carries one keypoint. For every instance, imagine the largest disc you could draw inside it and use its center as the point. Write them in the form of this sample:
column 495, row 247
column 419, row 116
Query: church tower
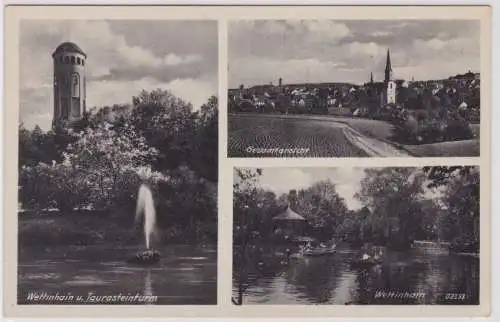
column 389, row 81
column 69, row 83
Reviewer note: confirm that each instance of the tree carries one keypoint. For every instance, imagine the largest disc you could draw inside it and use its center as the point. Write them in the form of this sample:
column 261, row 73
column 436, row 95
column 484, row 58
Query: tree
column 106, row 158
column 100, row 162
column 205, row 151
column 393, row 196
column 322, row 206
column 440, row 176
column 168, row 124
column 245, row 205
column 460, row 221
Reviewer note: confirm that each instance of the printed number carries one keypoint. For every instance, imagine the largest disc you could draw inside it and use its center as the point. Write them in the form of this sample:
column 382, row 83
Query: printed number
column 454, row 296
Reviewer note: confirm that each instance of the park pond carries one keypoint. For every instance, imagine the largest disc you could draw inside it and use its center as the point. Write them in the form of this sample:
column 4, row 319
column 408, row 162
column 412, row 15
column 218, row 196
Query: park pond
column 97, row 274
column 411, row 277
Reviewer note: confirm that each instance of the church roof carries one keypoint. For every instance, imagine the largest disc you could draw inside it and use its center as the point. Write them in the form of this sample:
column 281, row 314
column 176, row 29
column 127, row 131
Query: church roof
column 289, row 215
column 68, row 47
column 388, row 66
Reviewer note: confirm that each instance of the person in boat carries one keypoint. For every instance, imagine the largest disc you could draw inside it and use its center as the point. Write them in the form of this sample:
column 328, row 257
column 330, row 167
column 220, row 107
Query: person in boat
column 379, row 255
column 365, row 257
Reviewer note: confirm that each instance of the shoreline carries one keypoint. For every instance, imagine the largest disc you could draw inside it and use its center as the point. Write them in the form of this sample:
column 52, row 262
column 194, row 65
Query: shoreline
column 92, row 228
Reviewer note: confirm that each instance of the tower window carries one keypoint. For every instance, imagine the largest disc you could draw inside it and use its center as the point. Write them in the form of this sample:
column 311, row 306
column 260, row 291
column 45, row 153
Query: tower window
column 83, row 62
column 61, row 59
column 72, row 59
column 78, row 60
column 66, row 59
column 75, row 85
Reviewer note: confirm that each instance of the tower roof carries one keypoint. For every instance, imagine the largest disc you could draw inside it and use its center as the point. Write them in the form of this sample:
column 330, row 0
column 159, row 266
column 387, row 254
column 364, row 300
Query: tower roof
column 388, row 66
column 68, row 47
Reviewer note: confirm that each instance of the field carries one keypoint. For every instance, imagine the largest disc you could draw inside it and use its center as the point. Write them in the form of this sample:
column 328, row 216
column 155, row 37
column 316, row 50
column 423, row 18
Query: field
column 319, row 137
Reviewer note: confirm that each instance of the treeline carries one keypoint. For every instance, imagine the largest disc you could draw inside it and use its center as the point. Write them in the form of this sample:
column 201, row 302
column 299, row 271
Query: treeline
column 424, row 113
column 396, row 208
column 99, row 163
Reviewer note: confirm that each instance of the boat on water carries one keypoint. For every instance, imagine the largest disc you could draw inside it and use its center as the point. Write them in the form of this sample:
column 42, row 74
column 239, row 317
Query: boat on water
column 322, row 250
column 319, row 252
column 369, row 256
column 365, row 263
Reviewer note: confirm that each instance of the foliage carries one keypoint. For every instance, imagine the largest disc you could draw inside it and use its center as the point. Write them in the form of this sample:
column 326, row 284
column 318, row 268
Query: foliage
column 399, row 205
column 247, row 210
column 47, row 186
column 460, row 223
column 393, row 196
column 36, row 146
column 167, row 123
column 421, row 127
column 204, row 157
column 99, row 162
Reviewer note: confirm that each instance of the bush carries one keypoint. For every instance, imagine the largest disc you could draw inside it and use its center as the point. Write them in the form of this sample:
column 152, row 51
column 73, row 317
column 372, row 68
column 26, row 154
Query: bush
column 458, row 130
column 424, row 128
column 421, row 116
column 432, row 132
column 59, row 185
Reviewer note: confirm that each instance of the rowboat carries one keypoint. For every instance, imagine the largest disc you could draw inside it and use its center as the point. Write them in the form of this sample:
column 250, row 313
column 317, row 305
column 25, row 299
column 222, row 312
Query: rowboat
column 319, row 251
column 366, row 261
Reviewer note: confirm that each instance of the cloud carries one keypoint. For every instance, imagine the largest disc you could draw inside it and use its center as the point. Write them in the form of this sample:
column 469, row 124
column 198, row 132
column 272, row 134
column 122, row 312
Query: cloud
column 263, row 70
column 347, row 51
column 124, row 57
column 107, row 93
column 282, row 180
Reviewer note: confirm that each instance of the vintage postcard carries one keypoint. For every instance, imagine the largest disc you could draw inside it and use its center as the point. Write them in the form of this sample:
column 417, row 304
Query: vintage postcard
column 354, row 88
column 348, row 173
column 118, row 162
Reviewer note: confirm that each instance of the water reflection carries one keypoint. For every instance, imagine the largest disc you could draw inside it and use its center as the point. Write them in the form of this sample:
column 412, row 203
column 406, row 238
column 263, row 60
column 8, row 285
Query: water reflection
column 414, row 278
column 185, row 274
column 148, row 288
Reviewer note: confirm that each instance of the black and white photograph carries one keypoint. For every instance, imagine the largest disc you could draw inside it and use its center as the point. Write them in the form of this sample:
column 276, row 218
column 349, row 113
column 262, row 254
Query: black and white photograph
column 354, row 88
column 118, row 162
column 356, row 236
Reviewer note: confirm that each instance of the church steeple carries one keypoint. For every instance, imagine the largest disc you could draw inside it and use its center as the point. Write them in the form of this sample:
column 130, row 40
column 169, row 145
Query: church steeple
column 388, row 68
column 371, row 77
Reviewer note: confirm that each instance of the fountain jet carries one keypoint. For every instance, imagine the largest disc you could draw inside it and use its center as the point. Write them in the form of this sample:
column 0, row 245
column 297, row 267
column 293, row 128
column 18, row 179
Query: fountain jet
column 146, row 208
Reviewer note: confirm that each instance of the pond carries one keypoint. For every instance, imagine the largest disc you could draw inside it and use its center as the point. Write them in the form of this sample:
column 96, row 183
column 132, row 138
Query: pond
column 411, row 277
column 99, row 275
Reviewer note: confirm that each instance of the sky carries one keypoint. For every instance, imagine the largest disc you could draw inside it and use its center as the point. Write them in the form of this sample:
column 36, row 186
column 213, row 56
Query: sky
column 262, row 51
column 123, row 58
column 347, row 181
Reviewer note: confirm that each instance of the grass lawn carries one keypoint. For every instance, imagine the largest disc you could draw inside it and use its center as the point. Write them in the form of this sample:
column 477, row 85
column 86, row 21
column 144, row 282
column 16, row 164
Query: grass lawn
column 373, row 128
column 465, row 148
column 382, row 130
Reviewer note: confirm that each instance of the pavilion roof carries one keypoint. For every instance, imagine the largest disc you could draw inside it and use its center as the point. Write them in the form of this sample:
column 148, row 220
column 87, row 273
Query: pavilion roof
column 289, row 215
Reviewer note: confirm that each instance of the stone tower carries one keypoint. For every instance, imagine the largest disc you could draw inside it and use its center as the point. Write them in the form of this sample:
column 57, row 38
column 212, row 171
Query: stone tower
column 69, row 83
column 389, row 81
